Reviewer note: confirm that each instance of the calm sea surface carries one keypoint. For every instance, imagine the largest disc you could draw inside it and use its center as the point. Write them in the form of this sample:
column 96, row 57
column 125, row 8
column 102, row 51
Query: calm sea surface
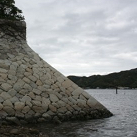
column 122, row 124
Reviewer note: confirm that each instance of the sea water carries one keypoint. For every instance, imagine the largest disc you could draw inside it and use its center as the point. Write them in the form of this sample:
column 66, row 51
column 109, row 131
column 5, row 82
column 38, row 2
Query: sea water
column 123, row 124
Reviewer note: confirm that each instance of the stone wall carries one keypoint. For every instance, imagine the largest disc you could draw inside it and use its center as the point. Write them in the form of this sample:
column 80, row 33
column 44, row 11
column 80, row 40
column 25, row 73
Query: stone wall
column 33, row 91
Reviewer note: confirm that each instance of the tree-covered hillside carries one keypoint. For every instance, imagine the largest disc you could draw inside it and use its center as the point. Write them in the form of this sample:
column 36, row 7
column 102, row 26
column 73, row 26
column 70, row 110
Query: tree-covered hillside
column 121, row 79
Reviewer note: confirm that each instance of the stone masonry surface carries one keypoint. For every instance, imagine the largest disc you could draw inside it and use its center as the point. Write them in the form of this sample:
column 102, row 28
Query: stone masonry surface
column 33, row 91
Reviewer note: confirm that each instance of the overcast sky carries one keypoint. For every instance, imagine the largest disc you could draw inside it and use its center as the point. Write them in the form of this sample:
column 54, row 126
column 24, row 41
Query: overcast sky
column 83, row 37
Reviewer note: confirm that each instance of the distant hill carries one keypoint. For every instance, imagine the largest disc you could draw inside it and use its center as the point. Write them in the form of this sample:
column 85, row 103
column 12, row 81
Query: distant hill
column 126, row 78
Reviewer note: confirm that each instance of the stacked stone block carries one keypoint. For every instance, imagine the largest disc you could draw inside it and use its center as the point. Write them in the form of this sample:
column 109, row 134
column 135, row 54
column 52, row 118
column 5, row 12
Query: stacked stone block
column 32, row 90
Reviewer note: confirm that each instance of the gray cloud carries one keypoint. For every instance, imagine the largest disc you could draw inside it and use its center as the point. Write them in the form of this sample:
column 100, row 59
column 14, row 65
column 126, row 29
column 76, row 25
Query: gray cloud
column 83, row 37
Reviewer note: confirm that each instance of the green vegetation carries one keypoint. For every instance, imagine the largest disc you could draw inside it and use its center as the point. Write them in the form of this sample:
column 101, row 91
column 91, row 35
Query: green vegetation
column 122, row 79
column 9, row 11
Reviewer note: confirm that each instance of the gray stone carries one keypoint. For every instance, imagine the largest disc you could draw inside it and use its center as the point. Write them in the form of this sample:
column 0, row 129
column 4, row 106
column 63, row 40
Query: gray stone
column 31, row 113
column 61, row 103
column 60, row 79
column 86, row 95
column 81, row 103
column 77, row 92
column 1, row 106
column 7, row 103
column 92, row 102
column 25, row 99
column 19, row 85
column 36, row 91
column 38, row 98
column 19, row 114
column 10, row 82
column 1, row 99
column 52, row 108
column 46, row 95
column 36, row 75
column 10, row 55
column 42, row 88
column 23, row 92
column 46, row 116
column 39, row 83
column 58, row 95
column 28, row 103
column 69, row 108
column 12, row 92
column 45, row 101
column 74, row 86
column 62, row 110
column 15, row 64
column 35, row 70
column 12, row 78
column 76, row 107
column 68, row 113
column 37, row 115
column 12, row 72
column 51, row 113
column 32, row 95
column 13, row 67
column 29, row 70
column 2, row 80
column 33, row 78
column 36, row 103
column 62, row 89
column 19, row 106
column 67, row 83
column 10, row 111
column 45, row 107
column 70, row 89
column 68, row 92
column 55, row 105
column 27, row 86
column 25, row 109
column 82, row 97
column 70, row 103
column 75, row 97
column 58, row 84
column 3, row 70
column 20, row 70
column 27, row 74
column 23, row 66
column 65, row 100
column 72, row 100
column 53, row 98
column 3, row 76
column 3, row 114
column 5, row 95
column 26, row 80
column 18, row 95
column 37, row 109
column 6, row 86
column 14, row 99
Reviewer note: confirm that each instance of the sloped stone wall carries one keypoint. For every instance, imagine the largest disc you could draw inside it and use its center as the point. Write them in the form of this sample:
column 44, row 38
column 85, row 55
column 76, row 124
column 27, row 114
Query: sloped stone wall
column 32, row 90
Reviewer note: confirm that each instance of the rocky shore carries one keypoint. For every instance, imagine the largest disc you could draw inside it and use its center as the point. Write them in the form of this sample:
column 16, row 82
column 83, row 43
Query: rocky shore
column 16, row 129
column 20, row 131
